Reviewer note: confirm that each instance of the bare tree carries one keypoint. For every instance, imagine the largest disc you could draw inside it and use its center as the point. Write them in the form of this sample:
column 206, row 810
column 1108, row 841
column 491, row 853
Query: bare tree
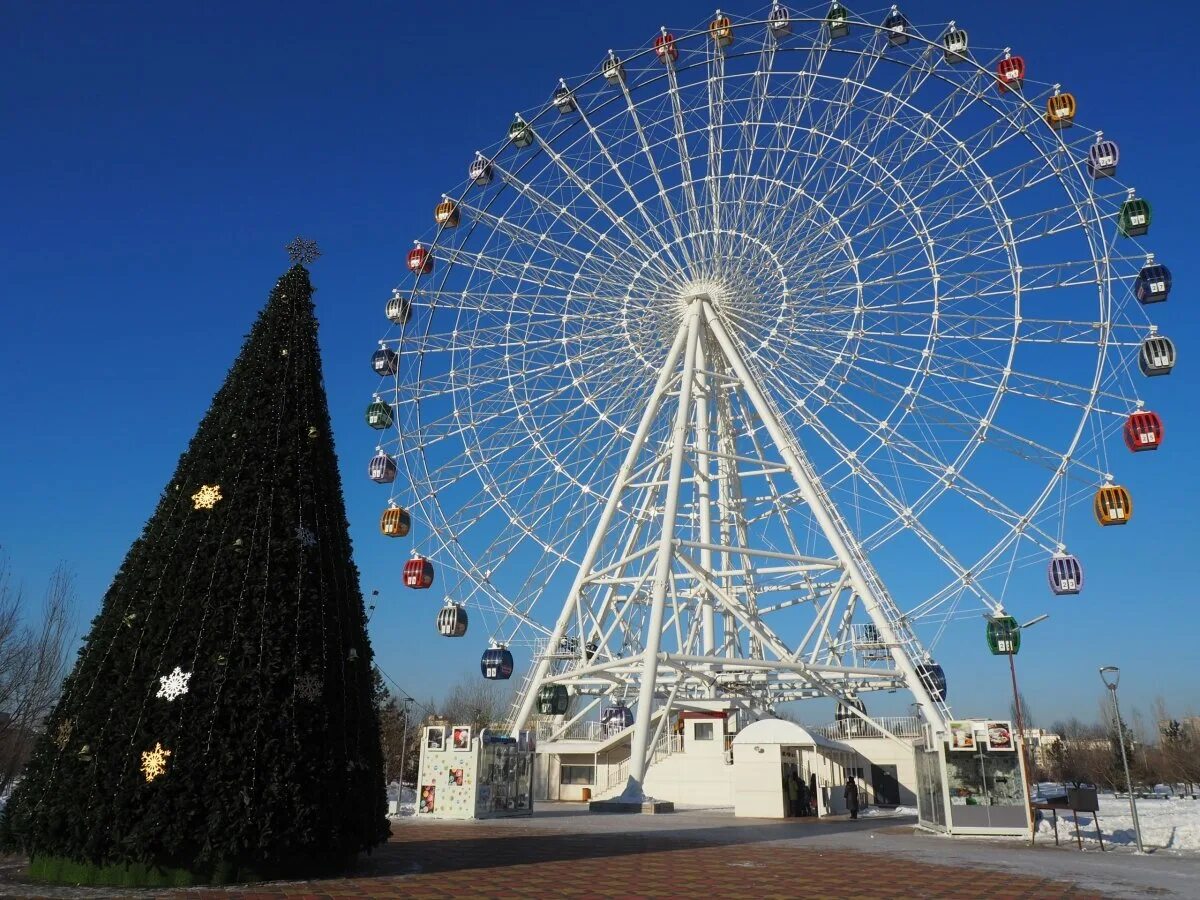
column 480, row 704
column 33, row 663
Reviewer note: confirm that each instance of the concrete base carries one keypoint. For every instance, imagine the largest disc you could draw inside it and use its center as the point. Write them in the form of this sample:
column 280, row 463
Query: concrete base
column 649, row 807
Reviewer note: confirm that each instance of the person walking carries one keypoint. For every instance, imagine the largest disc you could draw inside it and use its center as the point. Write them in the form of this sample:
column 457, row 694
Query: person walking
column 793, row 793
column 812, row 794
column 851, row 795
column 802, row 799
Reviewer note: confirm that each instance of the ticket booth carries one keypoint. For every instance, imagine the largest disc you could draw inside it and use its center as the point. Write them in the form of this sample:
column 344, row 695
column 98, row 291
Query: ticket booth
column 481, row 776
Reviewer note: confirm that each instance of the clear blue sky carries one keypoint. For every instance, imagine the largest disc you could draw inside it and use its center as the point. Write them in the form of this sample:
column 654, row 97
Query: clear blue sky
column 157, row 156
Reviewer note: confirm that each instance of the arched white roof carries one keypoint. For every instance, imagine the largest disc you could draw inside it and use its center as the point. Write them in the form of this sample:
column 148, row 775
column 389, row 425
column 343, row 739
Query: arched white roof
column 781, row 731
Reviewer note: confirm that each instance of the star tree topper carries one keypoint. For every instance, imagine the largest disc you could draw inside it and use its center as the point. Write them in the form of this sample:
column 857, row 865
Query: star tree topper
column 207, row 496
column 173, row 685
column 303, row 251
column 154, row 762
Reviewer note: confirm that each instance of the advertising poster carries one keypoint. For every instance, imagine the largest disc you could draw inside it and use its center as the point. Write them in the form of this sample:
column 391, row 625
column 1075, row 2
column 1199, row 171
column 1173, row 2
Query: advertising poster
column 428, row 792
column 435, row 737
column 1000, row 736
column 462, row 737
column 455, row 777
column 962, row 736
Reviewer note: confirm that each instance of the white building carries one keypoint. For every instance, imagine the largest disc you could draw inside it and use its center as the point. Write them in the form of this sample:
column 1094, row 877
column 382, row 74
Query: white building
column 712, row 754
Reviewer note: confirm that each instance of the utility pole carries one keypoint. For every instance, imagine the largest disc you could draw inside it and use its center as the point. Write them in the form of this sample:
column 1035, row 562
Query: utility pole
column 404, row 747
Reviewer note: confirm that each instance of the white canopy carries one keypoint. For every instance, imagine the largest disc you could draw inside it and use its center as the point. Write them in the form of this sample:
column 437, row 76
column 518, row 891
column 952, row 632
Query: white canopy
column 781, row 731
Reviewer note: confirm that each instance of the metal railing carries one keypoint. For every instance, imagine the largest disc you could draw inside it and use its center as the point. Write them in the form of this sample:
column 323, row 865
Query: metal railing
column 848, row 729
column 587, row 730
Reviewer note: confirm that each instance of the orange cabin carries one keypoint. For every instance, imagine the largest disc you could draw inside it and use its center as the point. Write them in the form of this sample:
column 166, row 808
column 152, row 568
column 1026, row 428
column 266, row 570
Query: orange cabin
column 1010, row 74
column 665, row 49
column 395, row 522
column 1060, row 111
column 420, row 260
column 1143, row 431
column 446, row 214
column 720, row 30
column 1113, row 505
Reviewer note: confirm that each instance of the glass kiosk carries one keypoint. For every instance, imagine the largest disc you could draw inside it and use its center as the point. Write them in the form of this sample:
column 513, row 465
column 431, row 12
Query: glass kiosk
column 971, row 780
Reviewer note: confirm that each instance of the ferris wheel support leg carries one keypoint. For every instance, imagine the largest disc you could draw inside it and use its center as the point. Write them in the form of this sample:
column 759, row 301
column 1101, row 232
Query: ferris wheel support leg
column 597, row 541
column 662, row 575
column 823, row 513
column 704, row 495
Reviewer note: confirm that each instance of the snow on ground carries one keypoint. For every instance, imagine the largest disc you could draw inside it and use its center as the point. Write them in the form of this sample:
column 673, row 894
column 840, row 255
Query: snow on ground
column 872, row 812
column 1168, row 823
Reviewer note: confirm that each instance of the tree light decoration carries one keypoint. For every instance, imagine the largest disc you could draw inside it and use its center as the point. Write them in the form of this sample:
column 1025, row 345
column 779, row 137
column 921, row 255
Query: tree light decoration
column 207, row 496
column 174, row 685
column 154, row 762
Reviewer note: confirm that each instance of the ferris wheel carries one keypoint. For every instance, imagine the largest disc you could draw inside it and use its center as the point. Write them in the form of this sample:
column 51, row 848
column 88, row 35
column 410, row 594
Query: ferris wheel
column 748, row 362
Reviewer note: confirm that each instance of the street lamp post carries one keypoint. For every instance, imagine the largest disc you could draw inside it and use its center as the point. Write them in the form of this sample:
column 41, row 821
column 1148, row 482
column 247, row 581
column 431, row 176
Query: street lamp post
column 1110, row 675
column 404, row 746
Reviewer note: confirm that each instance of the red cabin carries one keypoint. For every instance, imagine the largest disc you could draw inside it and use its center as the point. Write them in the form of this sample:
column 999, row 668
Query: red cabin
column 665, row 49
column 1010, row 74
column 418, row 573
column 1143, row 431
column 420, row 260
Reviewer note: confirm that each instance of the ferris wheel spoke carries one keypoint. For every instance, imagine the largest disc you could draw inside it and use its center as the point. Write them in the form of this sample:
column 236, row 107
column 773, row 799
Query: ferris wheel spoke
column 539, row 239
column 663, row 196
column 685, row 158
column 588, row 189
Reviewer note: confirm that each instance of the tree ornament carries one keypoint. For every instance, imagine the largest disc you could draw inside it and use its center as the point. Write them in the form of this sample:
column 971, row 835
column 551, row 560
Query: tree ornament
column 63, row 736
column 305, row 537
column 207, row 496
column 353, row 655
column 85, row 753
column 308, row 687
column 154, row 762
column 313, row 434
column 174, row 685
column 302, row 251
column 283, row 352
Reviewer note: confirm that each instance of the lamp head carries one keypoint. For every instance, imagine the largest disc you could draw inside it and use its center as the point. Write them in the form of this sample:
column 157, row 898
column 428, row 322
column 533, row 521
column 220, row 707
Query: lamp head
column 1110, row 675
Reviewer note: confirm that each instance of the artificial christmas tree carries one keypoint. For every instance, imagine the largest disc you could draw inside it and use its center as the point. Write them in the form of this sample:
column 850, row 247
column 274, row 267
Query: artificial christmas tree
column 218, row 724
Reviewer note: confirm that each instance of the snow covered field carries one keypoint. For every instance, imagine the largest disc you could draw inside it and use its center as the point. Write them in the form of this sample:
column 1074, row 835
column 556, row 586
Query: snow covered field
column 1169, row 824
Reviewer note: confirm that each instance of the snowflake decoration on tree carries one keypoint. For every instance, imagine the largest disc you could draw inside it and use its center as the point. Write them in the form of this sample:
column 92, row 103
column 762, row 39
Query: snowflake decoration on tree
column 173, row 685
column 303, row 251
column 63, row 736
column 305, row 537
column 308, row 687
column 154, row 762
column 207, row 496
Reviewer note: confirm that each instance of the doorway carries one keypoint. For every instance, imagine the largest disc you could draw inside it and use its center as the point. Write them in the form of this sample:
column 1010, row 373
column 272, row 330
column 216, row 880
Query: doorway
column 886, row 783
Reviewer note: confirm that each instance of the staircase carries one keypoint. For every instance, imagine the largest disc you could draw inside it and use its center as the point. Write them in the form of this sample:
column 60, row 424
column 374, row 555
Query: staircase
column 667, row 744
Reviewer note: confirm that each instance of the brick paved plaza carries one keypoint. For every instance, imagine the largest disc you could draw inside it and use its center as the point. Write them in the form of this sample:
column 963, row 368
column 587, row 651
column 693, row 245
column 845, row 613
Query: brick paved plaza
column 567, row 852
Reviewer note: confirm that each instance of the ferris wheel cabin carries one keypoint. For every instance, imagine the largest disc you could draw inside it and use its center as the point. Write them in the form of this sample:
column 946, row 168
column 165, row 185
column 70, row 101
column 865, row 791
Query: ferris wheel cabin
column 520, row 135
column 385, row 361
column 418, row 573
column 1143, row 431
column 897, row 28
column 615, row 718
column 480, row 171
column 720, row 30
column 395, row 522
column 954, row 46
column 838, row 21
column 1060, row 111
column 779, row 22
column 553, row 700
column 445, row 214
column 398, row 310
column 1134, row 218
column 1113, row 505
column 1157, row 356
column 933, row 677
column 1065, row 574
column 1103, row 158
column 496, row 664
column 1010, row 74
column 382, row 468
column 1153, row 283
column 379, row 415
column 452, row 620
column 612, row 70
column 420, row 260
column 665, row 48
